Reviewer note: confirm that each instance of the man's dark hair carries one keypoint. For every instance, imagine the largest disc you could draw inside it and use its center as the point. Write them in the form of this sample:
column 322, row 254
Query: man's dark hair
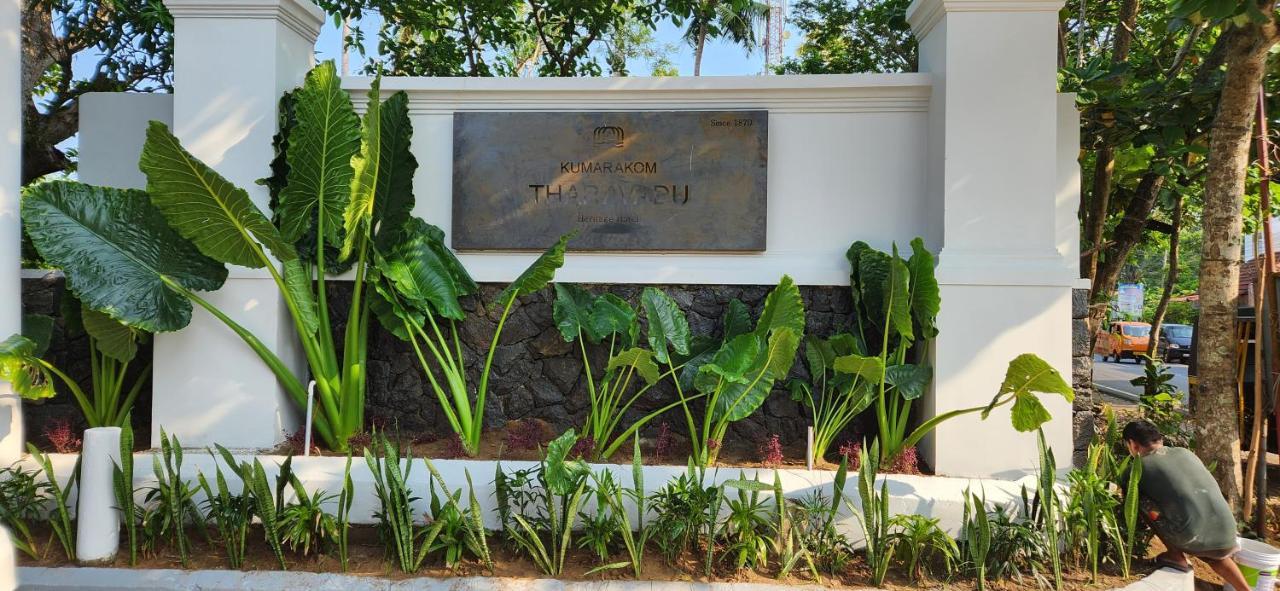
column 1142, row 432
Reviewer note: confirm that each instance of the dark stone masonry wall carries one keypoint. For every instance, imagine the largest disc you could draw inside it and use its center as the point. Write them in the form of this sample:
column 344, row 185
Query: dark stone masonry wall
column 1084, row 415
column 69, row 352
column 536, row 374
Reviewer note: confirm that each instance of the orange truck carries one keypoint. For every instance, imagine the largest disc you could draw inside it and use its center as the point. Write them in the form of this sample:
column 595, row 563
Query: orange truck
column 1125, row 340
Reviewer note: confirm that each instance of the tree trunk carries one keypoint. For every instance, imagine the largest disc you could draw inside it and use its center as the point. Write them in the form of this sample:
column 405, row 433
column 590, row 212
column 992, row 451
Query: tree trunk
column 1170, row 278
column 1125, row 236
column 1095, row 218
column 697, row 51
column 1214, row 412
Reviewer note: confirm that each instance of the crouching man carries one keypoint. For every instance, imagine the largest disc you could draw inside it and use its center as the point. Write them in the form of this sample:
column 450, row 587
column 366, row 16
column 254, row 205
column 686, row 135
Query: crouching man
column 1182, row 502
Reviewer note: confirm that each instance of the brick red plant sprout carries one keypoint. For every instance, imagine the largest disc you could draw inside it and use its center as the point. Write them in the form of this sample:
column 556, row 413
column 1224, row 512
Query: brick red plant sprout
column 771, row 452
column 662, row 448
column 526, row 435
column 62, row 436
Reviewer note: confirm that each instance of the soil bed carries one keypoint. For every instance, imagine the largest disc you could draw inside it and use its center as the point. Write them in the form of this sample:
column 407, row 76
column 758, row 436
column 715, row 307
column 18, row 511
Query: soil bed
column 367, row 558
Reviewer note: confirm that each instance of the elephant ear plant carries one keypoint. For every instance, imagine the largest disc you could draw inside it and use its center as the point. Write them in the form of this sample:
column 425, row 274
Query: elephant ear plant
column 141, row 257
column 607, row 319
column 418, row 293
column 895, row 305
column 736, row 377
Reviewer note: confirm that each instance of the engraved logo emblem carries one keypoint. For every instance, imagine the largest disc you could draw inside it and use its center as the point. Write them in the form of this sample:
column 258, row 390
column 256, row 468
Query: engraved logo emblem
column 608, row 135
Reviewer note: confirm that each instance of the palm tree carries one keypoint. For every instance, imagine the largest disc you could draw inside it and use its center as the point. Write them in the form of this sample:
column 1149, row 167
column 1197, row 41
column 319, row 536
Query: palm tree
column 735, row 19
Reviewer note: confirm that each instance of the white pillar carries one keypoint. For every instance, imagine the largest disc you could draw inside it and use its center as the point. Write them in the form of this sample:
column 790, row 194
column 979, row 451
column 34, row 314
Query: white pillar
column 992, row 182
column 232, row 61
column 97, row 517
column 11, row 435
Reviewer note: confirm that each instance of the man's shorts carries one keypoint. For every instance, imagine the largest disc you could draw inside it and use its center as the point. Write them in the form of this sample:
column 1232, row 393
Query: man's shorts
column 1213, row 554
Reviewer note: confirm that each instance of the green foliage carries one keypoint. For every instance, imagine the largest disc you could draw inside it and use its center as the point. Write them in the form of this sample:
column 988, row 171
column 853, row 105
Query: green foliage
column 1050, row 506
column 841, row 37
column 736, row 374
column 345, row 499
column 231, row 513
column 171, row 502
column 874, row 515
column 976, row 535
column 634, row 538
column 682, row 509
column 546, row 38
column 118, row 252
column 21, row 502
column 542, row 505
column 122, row 486
column 917, row 541
column 395, row 502
column 746, row 531
column 842, row 390
column 460, row 529
column 1090, row 517
column 422, row 281
column 607, row 319
column 304, row 524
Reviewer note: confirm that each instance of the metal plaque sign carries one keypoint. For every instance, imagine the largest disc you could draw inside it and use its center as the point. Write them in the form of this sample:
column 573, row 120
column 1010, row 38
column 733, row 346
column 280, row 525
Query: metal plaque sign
column 638, row 181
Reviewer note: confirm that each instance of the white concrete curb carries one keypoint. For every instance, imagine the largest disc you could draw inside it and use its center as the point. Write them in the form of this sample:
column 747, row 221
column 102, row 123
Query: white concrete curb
column 33, row 578
column 1165, row 579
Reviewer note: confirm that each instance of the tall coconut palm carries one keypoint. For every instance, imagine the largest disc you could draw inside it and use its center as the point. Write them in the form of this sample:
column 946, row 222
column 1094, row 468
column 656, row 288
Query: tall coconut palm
column 734, row 19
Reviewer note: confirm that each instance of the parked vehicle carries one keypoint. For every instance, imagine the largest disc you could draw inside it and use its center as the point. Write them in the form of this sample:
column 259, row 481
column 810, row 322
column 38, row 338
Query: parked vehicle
column 1174, row 345
column 1125, row 340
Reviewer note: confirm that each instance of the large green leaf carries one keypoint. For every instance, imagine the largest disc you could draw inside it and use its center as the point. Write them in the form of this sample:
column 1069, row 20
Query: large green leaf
column 325, row 136
column 39, row 328
column 641, row 359
column 868, row 368
column 910, row 381
column 19, row 367
column 740, row 399
column 112, row 338
column 358, row 217
column 119, row 255
column 818, row 356
column 571, row 311
column 563, row 475
column 733, row 362
column 204, row 207
column 1027, row 376
column 539, row 274
column 872, row 278
column 898, row 289
column 736, row 319
column 423, row 273
column 297, row 281
column 393, row 201
column 783, row 308
column 611, row 315
column 668, row 327
column 926, row 299
column 391, row 315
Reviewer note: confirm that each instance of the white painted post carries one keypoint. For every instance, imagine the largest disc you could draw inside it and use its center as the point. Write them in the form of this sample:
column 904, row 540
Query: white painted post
column 11, row 434
column 992, row 185
column 97, row 519
column 232, row 61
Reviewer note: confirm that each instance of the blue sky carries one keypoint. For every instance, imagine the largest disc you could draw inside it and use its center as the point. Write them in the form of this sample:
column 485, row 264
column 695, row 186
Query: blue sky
column 719, row 58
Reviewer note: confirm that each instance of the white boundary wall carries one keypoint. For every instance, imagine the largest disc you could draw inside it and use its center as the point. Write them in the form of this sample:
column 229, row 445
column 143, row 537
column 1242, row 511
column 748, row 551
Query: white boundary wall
column 976, row 154
column 11, row 433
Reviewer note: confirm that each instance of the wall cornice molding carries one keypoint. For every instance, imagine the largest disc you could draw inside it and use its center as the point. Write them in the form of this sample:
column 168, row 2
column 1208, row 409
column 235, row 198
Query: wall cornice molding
column 301, row 16
column 781, row 94
column 923, row 15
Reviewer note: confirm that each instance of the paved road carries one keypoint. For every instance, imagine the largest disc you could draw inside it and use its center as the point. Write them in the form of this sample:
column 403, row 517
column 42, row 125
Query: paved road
column 1117, row 375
